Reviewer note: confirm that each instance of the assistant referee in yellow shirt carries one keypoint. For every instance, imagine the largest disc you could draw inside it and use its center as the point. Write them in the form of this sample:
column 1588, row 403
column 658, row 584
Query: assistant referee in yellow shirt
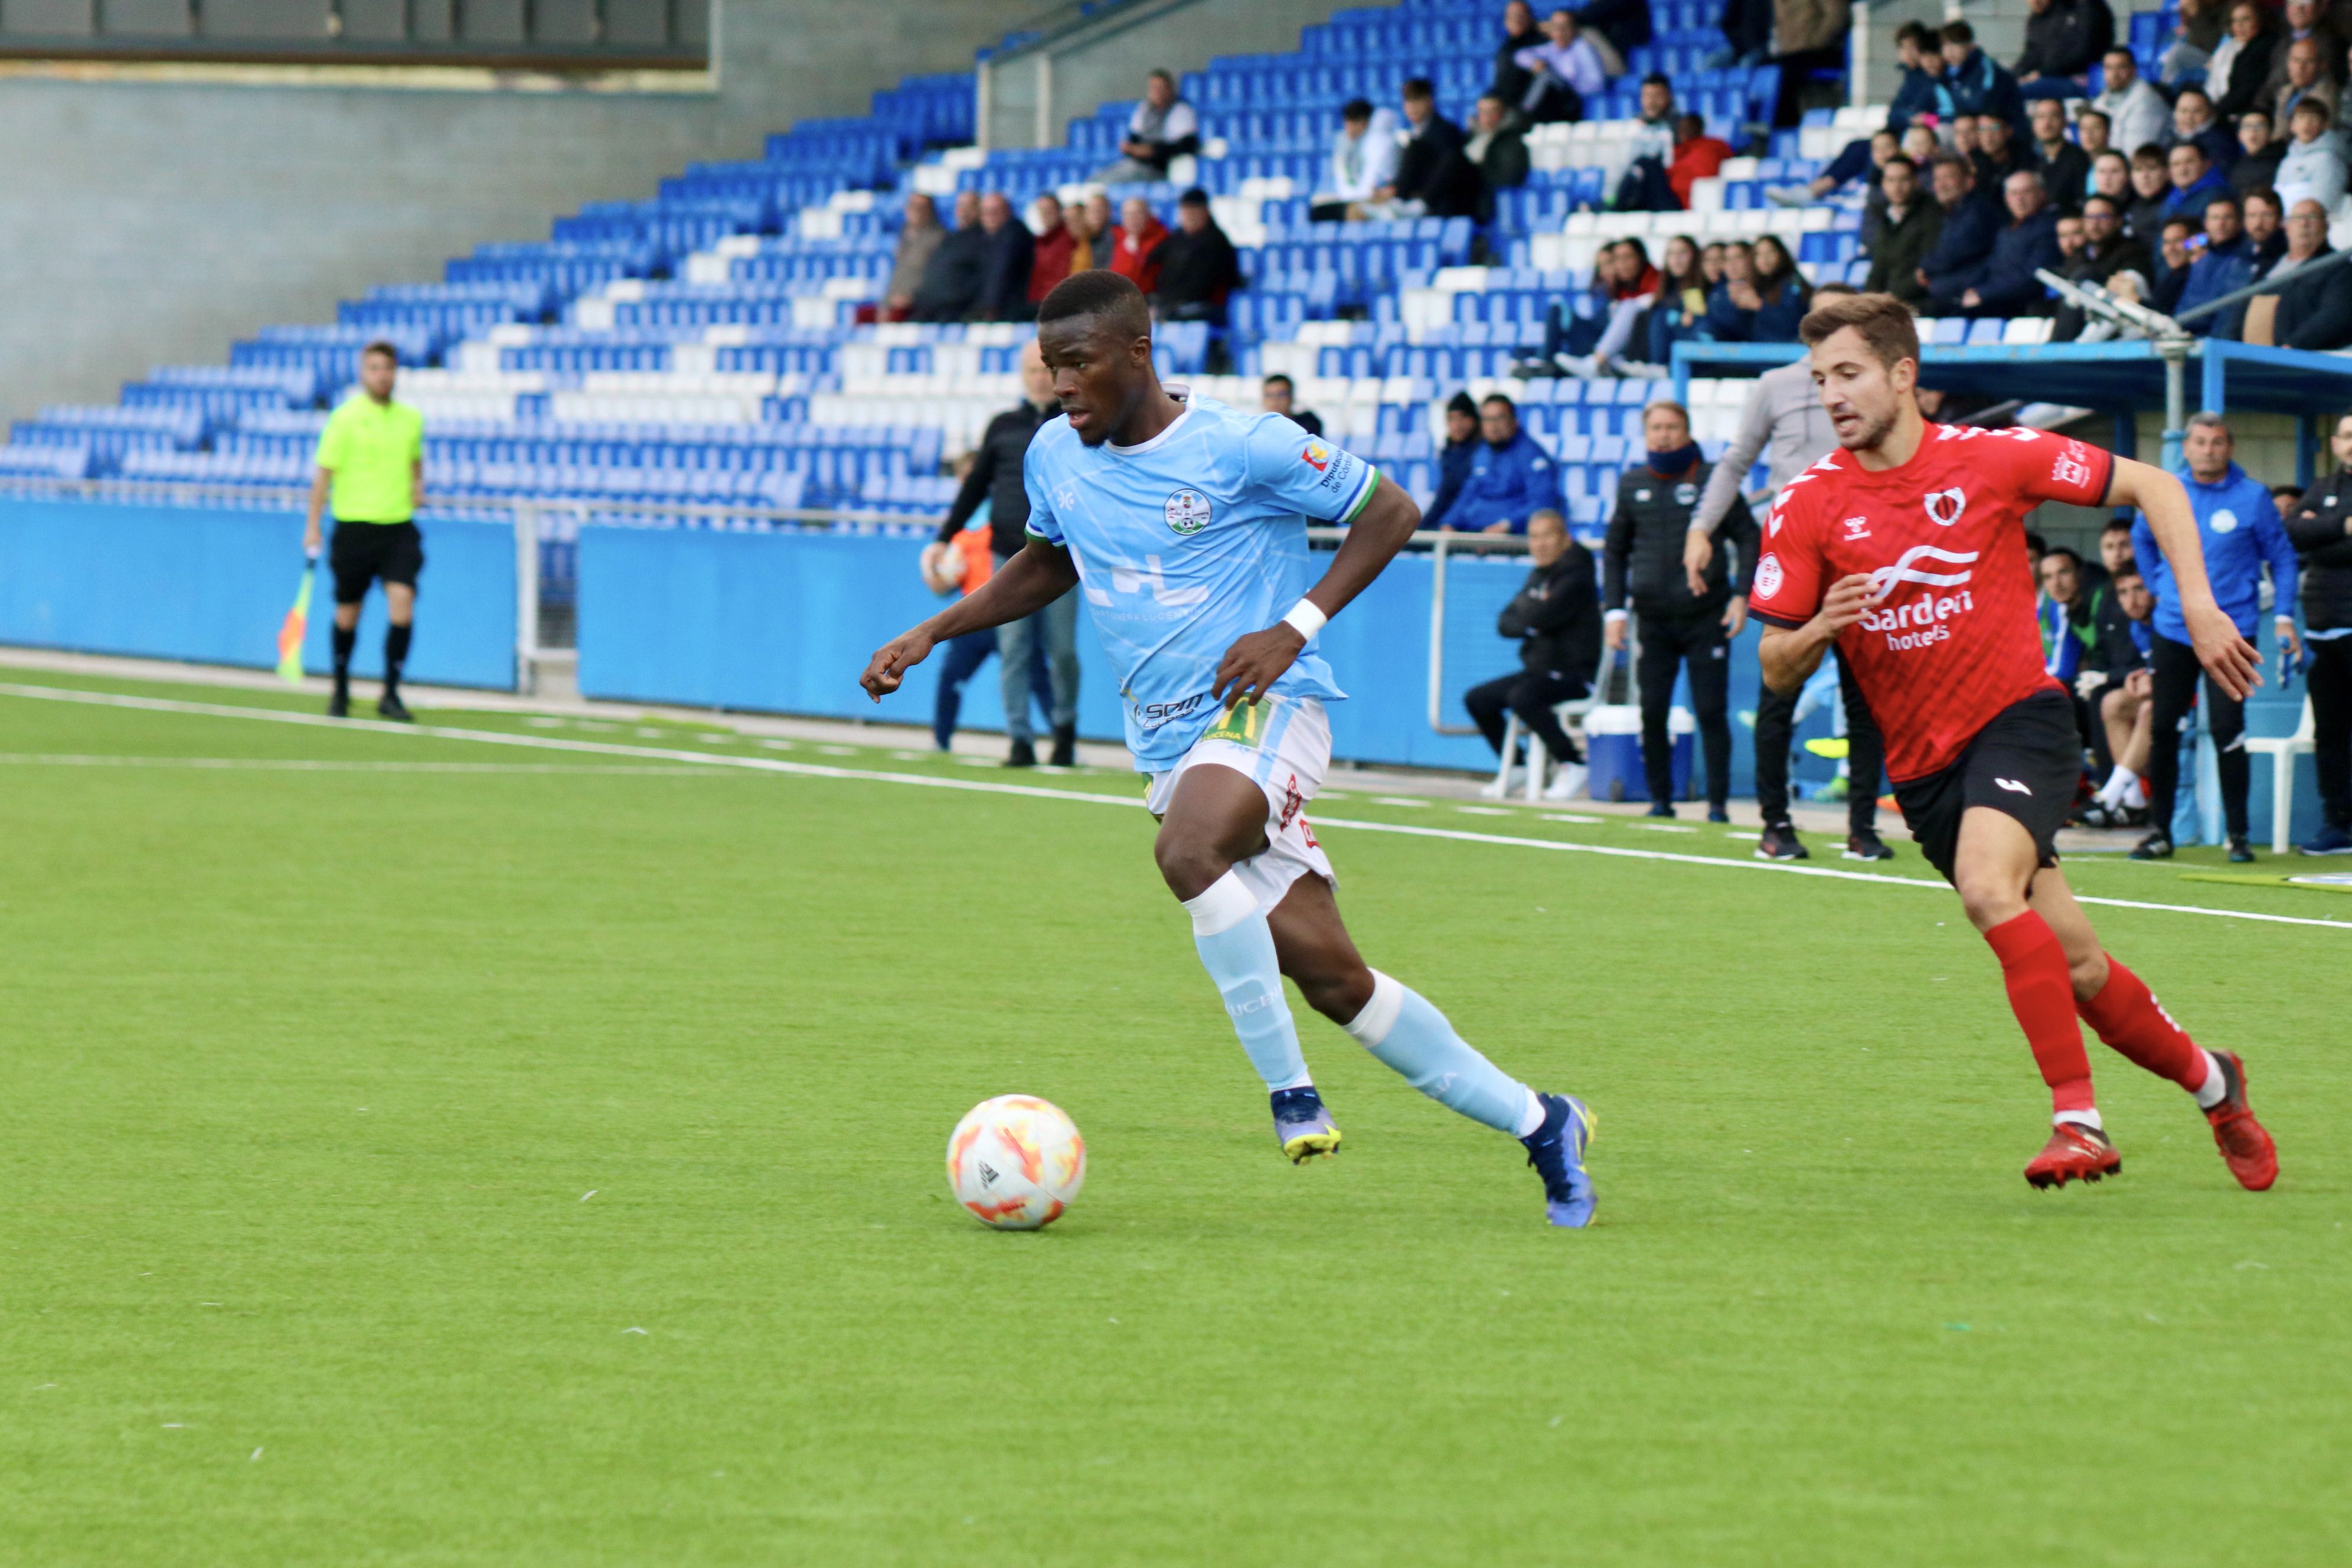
column 372, row 456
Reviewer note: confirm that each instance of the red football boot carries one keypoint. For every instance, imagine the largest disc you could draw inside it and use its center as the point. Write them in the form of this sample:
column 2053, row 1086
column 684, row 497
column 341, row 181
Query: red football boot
column 2074, row 1150
column 2245, row 1148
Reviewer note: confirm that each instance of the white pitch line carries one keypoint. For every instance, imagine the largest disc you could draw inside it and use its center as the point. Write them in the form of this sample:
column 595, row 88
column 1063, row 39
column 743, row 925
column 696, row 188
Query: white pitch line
column 982, row 786
column 292, row 764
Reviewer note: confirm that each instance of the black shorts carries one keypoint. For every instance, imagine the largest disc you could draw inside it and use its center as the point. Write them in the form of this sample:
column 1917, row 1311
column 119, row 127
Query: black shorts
column 2026, row 762
column 364, row 552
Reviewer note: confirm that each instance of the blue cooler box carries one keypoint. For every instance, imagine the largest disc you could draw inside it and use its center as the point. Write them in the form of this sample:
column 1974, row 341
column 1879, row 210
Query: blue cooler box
column 1612, row 749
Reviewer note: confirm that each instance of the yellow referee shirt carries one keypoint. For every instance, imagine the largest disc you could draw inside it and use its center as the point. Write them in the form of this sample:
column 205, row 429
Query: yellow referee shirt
column 372, row 449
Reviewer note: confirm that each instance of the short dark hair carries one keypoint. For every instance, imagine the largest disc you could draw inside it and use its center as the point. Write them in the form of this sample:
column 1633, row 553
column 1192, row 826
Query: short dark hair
column 2264, row 194
column 1162, row 74
column 2230, row 202
column 2098, row 114
column 2109, row 203
column 1195, row 198
column 1902, row 158
column 2062, row 550
column 1100, row 292
column 1695, row 123
column 1918, row 33
column 1951, row 160
column 1460, row 403
column 2114, row 523
column 2181, row 224
column 2191, row 92
column 2128, row 569
column 1355, row 108
column 2308, row 104
column 1883, row 322
column 1657, row 78
column 2190, row 148
column 1288, row 383
column 1419, row 87
column 2149, row 152
column 2036, row 543
column 1494, row 397
column 381, row 346
column 1958, row 32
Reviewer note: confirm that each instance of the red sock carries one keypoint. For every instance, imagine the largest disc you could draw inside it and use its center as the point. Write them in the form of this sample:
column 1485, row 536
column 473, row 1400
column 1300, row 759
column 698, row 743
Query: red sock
column 2042, row 994
column 2129, row 1018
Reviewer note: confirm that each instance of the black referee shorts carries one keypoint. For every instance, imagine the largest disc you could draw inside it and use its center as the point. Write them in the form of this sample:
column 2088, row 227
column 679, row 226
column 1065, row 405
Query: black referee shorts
column 2025, row 764
column 364, row 552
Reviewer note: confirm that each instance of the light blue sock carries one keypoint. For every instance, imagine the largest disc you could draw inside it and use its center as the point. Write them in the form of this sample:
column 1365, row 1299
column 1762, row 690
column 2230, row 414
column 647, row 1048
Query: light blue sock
column 1401, row 1027
column 1236, row 947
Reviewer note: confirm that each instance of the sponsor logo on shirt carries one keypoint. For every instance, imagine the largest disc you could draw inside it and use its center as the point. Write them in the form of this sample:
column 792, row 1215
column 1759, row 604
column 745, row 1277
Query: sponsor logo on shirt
column 1316, row 457
column 1857, row 528
column 1919, row 623
column 1944, row 507
column 1768, row 577
column 1151, row 715
column 1187, row 512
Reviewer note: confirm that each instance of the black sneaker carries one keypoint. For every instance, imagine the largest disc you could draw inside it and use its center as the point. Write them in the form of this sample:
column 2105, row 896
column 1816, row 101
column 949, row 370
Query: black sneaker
column 1780, row 843
column 339, row 706
column 1023, row 755
column 1864, row 843
column 1065, row 746
column 390, row 707
column 1717, row 814
column 1660, row 808
column 2240, row 852
column 2157, row 845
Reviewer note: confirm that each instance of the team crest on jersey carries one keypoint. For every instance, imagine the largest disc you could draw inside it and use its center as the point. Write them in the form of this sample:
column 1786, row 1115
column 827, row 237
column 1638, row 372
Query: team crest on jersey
column 1187, row 512
column 1768, row 577
column 1316, row 457
column 2070, row 466
column 1944, row 507
column 1685, row 495
column 2224, row 521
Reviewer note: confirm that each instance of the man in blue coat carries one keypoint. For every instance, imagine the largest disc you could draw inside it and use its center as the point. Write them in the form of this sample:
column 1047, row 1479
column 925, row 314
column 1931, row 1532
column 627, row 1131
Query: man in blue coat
column 1972, row 222
column 1973, row 84
column 2006, row 286
column 2238, row 526
column 2195, row 183
column 2226, row 266
column 1511, row 478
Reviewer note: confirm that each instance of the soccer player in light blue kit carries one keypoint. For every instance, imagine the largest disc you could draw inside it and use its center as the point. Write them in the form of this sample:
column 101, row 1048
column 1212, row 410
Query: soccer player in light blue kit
column 1185, row 524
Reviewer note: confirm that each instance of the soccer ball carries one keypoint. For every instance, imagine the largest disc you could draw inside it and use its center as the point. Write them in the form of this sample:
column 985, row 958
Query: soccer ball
column 1016, row 1162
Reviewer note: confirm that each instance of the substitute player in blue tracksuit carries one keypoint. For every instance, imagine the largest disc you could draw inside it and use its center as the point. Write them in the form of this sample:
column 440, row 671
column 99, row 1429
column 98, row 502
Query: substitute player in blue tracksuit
column 1511, row 476
column 2240, row 528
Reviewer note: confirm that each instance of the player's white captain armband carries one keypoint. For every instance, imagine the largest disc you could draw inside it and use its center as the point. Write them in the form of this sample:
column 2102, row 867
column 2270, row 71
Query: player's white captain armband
column 1305, row 619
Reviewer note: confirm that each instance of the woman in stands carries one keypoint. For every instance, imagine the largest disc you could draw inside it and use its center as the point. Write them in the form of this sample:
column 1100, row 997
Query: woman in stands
column 1681, row 304
column 2235, row 74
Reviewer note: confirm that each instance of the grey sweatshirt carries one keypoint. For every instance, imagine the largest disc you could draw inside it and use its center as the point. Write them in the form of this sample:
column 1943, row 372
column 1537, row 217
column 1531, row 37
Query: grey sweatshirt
column 1784, row 413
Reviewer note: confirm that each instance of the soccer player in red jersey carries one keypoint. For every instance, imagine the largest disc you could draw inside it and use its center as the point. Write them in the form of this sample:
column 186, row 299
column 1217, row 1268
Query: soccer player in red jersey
column 1906, row 548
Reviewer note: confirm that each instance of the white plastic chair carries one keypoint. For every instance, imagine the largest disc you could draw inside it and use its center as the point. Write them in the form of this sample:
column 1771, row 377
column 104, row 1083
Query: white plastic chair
column 1572, row 716
column 2282, row 750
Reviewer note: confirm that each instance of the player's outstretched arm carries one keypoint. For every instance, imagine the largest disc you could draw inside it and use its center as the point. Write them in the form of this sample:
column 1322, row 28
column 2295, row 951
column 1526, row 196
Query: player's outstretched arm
column 1032, row 580
column 1791, row 654
column 2226, row 657
column 1255, row 662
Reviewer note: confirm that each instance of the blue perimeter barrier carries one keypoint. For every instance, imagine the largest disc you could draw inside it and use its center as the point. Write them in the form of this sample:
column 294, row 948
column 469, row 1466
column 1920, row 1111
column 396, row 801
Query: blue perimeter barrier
column 211, row 586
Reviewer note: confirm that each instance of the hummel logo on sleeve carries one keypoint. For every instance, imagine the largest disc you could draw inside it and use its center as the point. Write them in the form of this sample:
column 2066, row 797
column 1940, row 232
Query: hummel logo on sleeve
column 2012, row 786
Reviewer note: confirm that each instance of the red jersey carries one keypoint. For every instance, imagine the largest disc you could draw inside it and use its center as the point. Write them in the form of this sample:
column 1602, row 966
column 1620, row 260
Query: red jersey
column 1954, row 640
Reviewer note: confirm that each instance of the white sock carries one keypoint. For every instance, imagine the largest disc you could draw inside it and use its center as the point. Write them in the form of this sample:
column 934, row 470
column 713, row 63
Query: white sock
column 2216, row 1086
column 1532, row 1117
column 2089, row 1118
column 2136, row 792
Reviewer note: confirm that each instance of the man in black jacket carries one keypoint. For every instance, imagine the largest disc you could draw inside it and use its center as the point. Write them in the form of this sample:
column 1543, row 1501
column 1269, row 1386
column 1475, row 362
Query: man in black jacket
column 2314, row 312
column 1906, row 234
column 2064, row 39
column 997, row 478
column 2321, row 527
column 952, row 277
column 1198, row 264
column 1557, row 621
column 1453, row 456
column 1434, row 178
column 1973, row 220
column 1642, row 567
column 1008, row 252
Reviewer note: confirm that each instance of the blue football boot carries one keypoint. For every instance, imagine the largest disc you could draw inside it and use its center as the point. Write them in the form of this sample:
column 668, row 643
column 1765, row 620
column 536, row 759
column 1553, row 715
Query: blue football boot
column 1301, row 1124
column 1557, row 1152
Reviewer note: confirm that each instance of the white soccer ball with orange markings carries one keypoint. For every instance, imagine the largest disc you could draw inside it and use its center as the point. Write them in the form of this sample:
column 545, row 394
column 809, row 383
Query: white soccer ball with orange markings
column 1016, row 1162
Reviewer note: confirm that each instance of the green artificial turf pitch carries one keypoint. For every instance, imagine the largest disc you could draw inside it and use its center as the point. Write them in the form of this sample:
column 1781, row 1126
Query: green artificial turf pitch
column 459, row 1152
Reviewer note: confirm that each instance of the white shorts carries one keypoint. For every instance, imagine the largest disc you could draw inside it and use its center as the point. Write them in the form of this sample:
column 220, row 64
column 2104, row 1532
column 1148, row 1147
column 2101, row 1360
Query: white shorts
column 1285, row 745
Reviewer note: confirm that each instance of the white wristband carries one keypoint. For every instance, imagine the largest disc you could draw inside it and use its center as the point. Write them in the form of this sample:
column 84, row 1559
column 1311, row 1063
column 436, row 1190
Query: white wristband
column 1305, row 619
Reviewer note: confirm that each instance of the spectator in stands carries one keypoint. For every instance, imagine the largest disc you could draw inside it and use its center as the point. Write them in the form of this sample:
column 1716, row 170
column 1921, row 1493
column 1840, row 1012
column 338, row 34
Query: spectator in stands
column 2151, row 192
column 1997, row 155
column 1499, row 152
column 2195, row 183
column 2304, row 74
column 952, row 278
column 1920, row 145
column 1679, row 309
column 1563, row 72
column 1747, row 34
column 1626, row 285
column 2226, row 265
column 1162, row 129
column 1433, row 179
column 2307, row 22
column 1055, row 243
column 1556, row 622
column 2069, row 242
column 1363, row 159
column 2057, row 609
column 1906, row 234
column 1762, row 296
column 2314, row 312
column 1510, row 479
column 2194, row 121
column 1642, row 575
column 1972, row 83
column 918, row 236
column 2173, row 259
column 1008, row 255
column 2111, row 177
column 1865, row 155
column 2258, row 155
column 1617, row 28
column 2136, row 113
column 1642, row 184
column 1453, row 457
column 1136, row 243
column 2235, row 75
column 1807, row 36
column 1697, row 156
column 1972, row 221
column 2106, row 251
column 1089, row 224
column 2239, row 527
column 2319, row 525
column 2120, row 685
column 2195, row 34
column 2313, row 165
column 2064, row 168
column 1520, row 33
column 2006, row 286
column 1277, row 394
column 2093, row 132
column 2265, row 229
column 1710, row 262
column 2064, row 39
column 1920, row 56
column 997, row 478
column 1197, row 265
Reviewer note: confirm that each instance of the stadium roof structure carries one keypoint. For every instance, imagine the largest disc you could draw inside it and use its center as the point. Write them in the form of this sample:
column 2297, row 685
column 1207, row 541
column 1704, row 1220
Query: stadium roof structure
column 2120, row 378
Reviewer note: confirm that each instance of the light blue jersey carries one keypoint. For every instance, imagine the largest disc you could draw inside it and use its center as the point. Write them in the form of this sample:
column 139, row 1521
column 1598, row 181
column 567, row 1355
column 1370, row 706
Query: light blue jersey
column 1187, row 542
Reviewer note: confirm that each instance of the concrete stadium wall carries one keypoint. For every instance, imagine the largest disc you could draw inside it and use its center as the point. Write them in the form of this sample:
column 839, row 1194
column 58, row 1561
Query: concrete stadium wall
column 149, row 217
